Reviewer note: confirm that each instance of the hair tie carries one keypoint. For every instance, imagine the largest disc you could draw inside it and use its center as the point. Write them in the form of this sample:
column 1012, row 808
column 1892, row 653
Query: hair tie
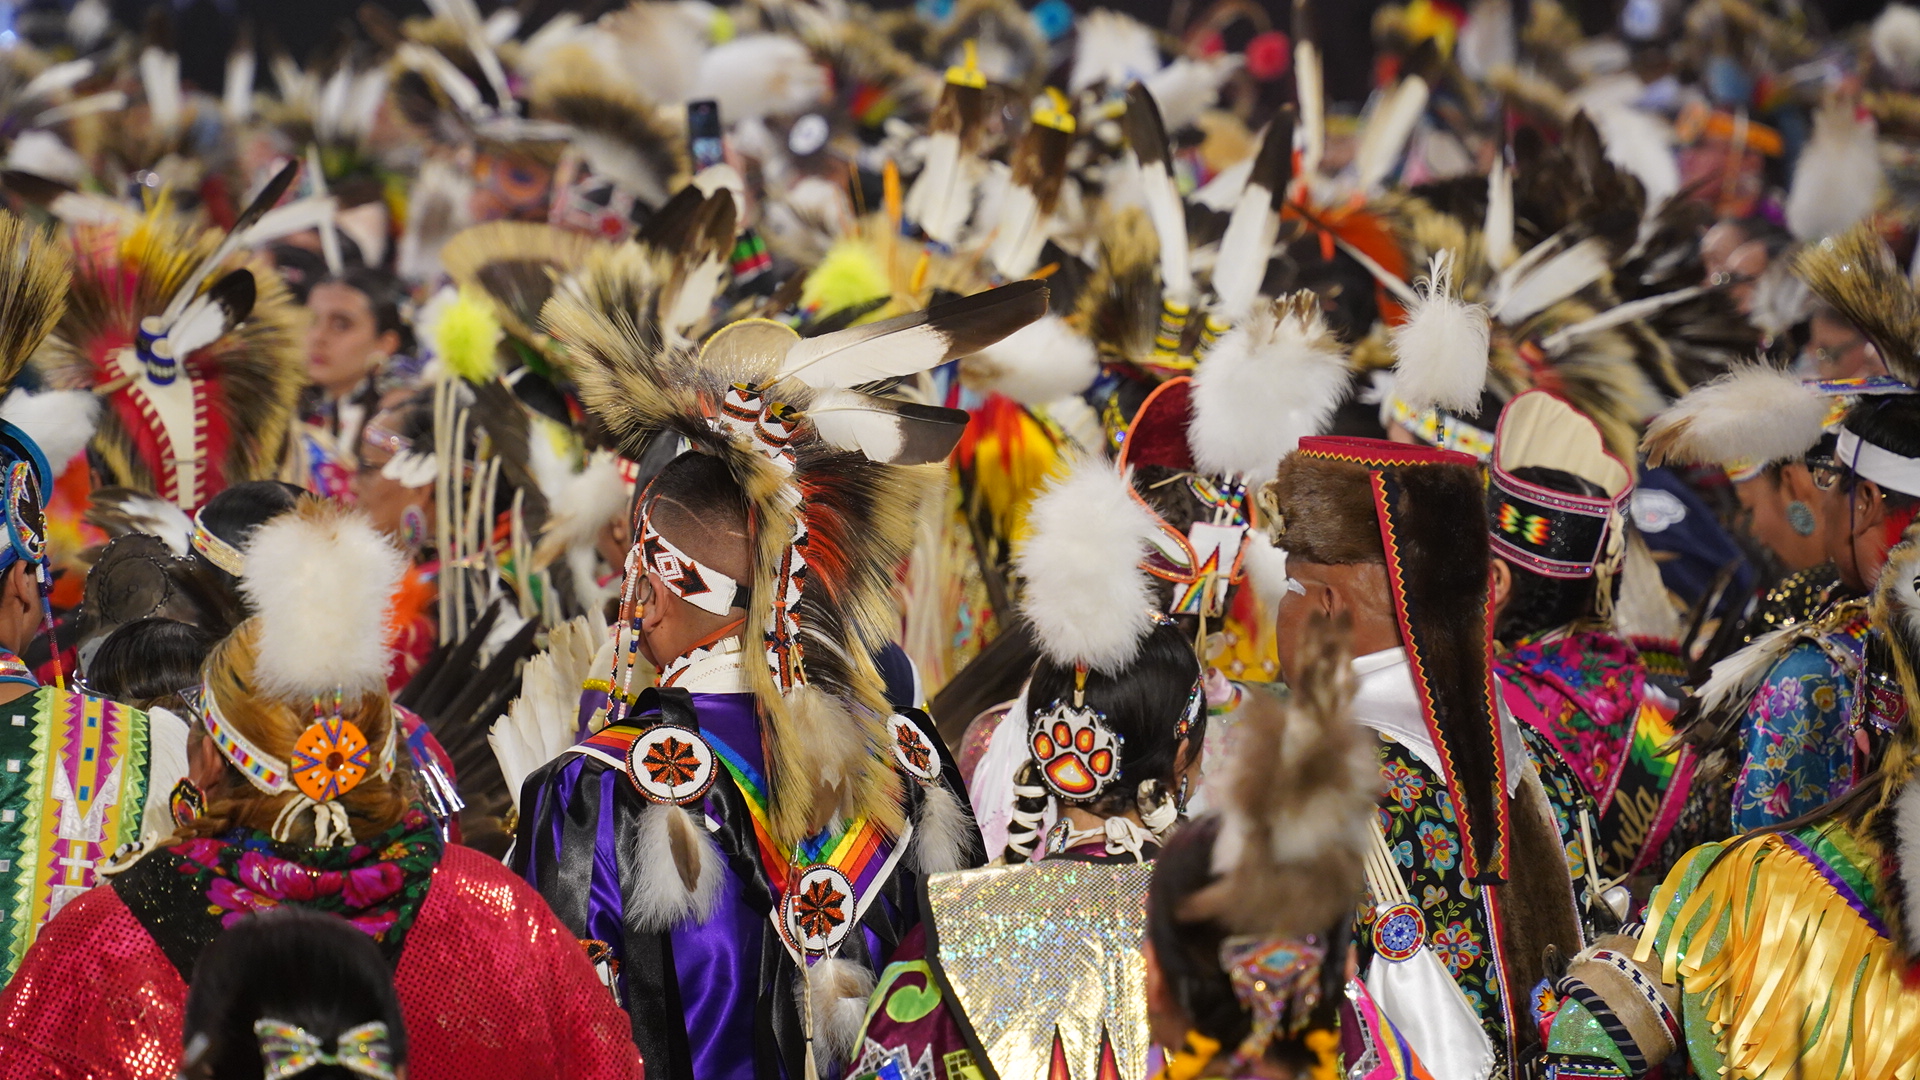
column 287, row 1050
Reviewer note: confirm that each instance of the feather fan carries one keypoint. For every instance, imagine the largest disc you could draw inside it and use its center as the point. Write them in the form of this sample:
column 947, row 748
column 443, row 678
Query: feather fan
column 618, row 132
column 320, row 580
column 1296, row 821
column 540, row 723
column 119, row 511
column 1265, row 386
column 1856, row 274
column 1084, row 592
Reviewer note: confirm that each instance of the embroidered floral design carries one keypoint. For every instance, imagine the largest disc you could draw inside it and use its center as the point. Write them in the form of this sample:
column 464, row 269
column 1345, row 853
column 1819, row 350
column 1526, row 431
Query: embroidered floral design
column 1404, row 785
column 1457, row 946
column 377, row 886
column 1797, row 748
column 1437, row 846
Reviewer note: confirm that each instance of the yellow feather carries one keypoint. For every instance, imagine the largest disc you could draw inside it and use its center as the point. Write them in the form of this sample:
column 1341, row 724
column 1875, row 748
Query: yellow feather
column 850, row 275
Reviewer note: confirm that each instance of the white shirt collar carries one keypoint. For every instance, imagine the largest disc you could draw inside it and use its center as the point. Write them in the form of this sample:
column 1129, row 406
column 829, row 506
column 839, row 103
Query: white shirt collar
column 1386, row 701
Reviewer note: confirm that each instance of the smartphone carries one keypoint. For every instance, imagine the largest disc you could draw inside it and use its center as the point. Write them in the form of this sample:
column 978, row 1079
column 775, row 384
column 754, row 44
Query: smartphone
column 703, row 133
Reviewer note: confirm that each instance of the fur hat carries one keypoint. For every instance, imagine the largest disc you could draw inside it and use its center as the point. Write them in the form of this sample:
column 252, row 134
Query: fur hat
column 1347, row 500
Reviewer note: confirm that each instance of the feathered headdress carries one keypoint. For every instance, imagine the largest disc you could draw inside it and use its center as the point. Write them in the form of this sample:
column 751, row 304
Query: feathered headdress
column 833, row 477
column 199, row 383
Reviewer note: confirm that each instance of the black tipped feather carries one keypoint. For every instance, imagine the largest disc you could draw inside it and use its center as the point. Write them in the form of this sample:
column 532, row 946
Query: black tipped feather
column 1146, row 133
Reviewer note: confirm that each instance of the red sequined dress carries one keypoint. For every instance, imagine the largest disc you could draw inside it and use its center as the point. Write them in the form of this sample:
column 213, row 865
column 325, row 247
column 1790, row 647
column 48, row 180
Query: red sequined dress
column 490, row 982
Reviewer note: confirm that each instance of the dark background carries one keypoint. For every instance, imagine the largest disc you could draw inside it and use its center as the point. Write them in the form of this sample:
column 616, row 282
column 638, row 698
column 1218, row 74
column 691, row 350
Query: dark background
column 205, row 28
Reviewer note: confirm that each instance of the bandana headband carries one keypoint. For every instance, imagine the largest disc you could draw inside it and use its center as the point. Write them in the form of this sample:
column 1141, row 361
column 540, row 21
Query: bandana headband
column 687, row 577
column 217, row 551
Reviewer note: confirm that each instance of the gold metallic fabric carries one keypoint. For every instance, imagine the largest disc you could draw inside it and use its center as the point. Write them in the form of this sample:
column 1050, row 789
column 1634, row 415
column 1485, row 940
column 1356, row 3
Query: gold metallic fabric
column 1047, row 946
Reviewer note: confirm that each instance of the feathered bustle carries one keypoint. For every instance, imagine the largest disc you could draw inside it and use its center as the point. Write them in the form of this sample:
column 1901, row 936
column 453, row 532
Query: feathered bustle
column 320, row 580
column 58, row 421
column 1038, row 364
column 541, row 721
column 1085, row 594
column 1263, row 387
column 1440, row 351
column 1299, row 803
column 1748, row 417
column 118, row 511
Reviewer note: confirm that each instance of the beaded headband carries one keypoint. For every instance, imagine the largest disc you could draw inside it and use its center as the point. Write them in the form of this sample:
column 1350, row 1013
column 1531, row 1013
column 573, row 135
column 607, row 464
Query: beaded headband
column 217, row 551
column 687, row 577
column 331, row 758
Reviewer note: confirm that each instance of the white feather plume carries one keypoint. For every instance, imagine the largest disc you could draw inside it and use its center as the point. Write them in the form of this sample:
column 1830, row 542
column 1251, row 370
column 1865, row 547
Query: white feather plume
column 1440, row 352
column 1085, row 594
column 146, row 514
column 942, row 831
column 1896, row 43
column 320, row 580
column 1309, row 87
column 1837, row 179
column 761, row 75
column 1750, row 416
column 1530, row 286
column 662, row 899
column 1037, row 364
column 1186, row 88
column 838, row 990
column 1264, row 386
column 1112, row 49
column 1266, row 567
column 1388, row 128
column 1498, row 229
column 60, row 422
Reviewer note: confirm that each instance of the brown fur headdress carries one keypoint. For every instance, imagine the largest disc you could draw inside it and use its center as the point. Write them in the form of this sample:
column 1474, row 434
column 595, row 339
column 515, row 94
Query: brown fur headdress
column 1418, row 511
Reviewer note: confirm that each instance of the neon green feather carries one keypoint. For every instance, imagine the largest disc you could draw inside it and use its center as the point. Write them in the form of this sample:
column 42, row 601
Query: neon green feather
column 466, row 336
column 851, row 274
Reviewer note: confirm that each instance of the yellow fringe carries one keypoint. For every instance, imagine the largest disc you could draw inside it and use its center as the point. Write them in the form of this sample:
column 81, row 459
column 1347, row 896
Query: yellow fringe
column 1794, row 981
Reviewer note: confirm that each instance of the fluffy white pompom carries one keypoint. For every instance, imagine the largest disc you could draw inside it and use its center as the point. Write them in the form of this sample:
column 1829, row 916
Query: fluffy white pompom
column 1896, row 43
column 1085, row 593
column 320, row 580
column 1440, row 352
column 1038, row 364
column 1263, row 387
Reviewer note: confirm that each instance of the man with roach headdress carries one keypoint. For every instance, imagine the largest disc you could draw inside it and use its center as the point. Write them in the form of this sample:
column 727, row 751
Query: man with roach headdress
column 740, row 843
